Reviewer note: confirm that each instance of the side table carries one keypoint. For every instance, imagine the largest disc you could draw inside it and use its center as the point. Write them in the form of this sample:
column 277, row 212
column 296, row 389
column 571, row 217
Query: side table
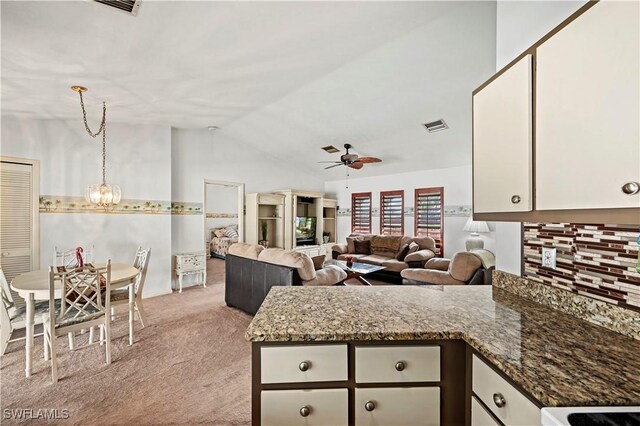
column 191, row 264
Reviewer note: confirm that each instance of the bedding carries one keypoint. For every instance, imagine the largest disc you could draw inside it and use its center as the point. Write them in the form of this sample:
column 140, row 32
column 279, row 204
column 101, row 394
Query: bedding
column 219, row 244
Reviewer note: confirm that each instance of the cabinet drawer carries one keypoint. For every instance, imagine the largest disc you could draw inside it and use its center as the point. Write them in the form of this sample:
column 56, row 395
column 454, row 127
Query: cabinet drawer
column 397, row 406
column 271, row 199
column 517, row 409
column 480, row 416
column 381, row 364
column 323, row 407
column 323, row 363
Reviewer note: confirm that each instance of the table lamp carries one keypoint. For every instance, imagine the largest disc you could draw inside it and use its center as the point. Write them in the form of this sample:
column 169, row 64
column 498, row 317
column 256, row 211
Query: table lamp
column 475, row 241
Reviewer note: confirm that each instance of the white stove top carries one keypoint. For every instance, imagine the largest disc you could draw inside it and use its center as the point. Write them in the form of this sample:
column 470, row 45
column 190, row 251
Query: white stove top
column 558, row 416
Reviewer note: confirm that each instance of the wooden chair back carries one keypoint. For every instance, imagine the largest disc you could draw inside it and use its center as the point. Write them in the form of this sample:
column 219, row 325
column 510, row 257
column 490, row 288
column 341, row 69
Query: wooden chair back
column 86, row 293
column 68, row 259
column 141, row 262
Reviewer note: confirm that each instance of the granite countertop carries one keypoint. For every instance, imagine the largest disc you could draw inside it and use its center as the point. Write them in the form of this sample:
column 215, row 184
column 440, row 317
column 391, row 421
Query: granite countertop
column 557, row 358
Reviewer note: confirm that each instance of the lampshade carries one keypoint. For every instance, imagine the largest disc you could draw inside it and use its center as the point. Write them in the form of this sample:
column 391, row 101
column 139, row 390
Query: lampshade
column 476, row 226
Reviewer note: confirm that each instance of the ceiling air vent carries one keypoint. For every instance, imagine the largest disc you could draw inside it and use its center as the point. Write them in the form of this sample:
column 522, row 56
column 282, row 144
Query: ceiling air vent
column 330, row 149
column 128, row 6
column 436, row 126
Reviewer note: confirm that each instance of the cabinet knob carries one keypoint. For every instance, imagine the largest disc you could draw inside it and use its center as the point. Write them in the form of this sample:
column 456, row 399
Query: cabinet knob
column 631, row 188
column 369, row 405
column 515, row 199
column 305, row 411
column 304, row 365
column 499, row 400
column 400, row 365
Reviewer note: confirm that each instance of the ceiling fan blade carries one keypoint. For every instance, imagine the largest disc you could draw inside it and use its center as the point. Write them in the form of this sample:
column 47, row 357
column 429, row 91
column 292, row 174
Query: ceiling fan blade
column 332, row 162
column 367, row 160
column 357, row 165
column 335, row 165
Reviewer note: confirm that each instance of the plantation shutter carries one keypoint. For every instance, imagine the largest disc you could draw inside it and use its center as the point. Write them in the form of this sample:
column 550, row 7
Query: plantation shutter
column 361, row 213
column 16, row 221
column 392, row 213
column 429, row 215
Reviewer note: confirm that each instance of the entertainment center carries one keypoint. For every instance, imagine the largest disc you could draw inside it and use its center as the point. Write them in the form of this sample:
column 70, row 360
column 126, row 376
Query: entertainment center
column 293, row 220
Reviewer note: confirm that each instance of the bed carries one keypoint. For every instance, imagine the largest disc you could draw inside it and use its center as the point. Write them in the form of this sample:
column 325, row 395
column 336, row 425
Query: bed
column 219, row 244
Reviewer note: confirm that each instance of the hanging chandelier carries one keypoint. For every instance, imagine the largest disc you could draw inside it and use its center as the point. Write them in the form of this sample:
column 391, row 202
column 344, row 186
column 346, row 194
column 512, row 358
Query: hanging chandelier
column 99, row 194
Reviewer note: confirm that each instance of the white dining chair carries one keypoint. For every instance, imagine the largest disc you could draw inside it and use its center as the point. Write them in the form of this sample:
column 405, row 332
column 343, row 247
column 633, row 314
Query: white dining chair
column 121, row 296
column 85, row 303
column 13, row 317
column 69, row 259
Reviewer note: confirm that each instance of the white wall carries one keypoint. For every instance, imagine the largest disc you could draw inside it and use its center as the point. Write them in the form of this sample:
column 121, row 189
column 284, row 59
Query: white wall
column 138, row 160
column 457, row 191
column 199, row 154
column 220, row 199
column 519, row 25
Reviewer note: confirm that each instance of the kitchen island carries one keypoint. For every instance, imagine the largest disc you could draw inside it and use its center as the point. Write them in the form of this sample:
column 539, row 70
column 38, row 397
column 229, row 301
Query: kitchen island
column 466, row 354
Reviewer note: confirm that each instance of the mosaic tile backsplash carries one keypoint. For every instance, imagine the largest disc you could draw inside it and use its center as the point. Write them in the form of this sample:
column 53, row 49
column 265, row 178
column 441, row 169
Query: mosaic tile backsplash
column 597, row 261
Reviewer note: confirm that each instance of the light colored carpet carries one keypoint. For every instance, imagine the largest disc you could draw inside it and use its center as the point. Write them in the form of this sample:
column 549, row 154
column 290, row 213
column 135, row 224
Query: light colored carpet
column 191, row 365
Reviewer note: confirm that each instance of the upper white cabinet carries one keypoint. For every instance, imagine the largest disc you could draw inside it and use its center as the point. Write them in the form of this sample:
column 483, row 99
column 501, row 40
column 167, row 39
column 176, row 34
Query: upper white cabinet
column 502, row 142
column 587, row 111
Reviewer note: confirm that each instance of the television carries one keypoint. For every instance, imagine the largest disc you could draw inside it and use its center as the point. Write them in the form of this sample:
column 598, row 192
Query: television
column 305, row 230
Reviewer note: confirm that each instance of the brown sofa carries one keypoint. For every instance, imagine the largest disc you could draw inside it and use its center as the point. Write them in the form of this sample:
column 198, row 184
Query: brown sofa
column 387, row 251
column 466, row 267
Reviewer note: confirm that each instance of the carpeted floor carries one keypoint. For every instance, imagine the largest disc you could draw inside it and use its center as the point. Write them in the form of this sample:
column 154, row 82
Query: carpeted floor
column 191, row 365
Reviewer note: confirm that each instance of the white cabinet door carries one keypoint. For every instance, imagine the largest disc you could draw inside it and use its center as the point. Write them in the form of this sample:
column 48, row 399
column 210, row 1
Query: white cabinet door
column 397, row 406
column 502, row 140
column 316, row 407
column 587, row 110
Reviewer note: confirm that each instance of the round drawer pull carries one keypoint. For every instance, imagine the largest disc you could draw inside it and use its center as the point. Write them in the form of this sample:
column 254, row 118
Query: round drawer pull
column 631, row 188
column 400, row 365
column 305, row 411
column 516, row 199
column 369, row 405
column 499, row 400
column 304, row 365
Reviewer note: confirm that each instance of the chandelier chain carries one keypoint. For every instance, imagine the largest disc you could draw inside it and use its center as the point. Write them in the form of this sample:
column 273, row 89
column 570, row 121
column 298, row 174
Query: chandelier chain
column 104, row 143
column 84, row 116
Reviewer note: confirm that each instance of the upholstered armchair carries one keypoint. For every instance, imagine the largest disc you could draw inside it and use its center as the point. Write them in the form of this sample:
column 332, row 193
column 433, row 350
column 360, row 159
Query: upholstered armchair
column 466, row 267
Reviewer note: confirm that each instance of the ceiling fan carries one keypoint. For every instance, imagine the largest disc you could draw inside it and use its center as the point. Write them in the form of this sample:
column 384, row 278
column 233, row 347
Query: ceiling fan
column 351, row 160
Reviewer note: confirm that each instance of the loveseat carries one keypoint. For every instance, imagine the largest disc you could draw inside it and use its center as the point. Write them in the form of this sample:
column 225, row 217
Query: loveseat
column 465, row 267
column 251, row 271
column 395, row 253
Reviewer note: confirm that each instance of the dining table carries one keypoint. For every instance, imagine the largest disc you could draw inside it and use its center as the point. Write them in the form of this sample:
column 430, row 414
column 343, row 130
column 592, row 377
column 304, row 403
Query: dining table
column 34, row 285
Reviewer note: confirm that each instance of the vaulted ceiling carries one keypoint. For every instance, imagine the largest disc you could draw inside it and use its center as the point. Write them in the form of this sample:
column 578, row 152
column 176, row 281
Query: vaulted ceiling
column 282, row 77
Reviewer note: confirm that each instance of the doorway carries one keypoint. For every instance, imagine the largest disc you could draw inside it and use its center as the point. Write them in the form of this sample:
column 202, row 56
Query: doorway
column 223, row 216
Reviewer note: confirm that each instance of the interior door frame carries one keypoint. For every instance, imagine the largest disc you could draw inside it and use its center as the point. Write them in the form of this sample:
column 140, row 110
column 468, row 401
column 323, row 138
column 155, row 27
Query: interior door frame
column 240, row 187
column 35, row 213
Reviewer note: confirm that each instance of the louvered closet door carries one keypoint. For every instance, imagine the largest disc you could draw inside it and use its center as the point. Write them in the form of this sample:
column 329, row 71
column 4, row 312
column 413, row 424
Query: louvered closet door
column 16, row 221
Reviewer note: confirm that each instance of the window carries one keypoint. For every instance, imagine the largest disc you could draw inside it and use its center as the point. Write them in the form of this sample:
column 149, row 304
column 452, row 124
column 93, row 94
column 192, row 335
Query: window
column 361, row 213
column 392, row 213
column 429, row 215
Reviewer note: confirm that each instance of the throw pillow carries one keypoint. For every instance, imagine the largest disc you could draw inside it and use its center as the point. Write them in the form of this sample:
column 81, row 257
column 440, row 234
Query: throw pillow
column 362, row 246
column 318, row 262
column 219, row 233
column 413, row 247
column 230, row 233
column 350, row 244
column 404, row 250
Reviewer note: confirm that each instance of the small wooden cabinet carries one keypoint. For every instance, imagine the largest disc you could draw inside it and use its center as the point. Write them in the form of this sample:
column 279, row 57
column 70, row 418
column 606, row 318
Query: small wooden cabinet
column 191, row 264
column 397, row 383
column 572, row 102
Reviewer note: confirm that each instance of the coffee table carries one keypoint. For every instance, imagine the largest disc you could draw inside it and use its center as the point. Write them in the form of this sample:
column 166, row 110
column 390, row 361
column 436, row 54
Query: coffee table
column 358, row 270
